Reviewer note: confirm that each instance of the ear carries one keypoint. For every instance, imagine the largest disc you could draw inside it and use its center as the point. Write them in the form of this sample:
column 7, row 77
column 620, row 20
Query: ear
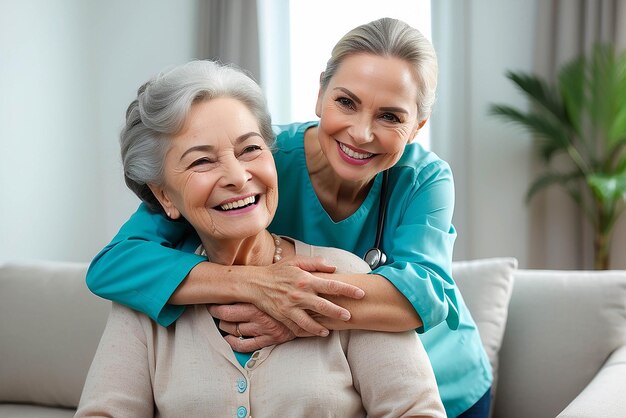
column 320, row 95
column 416, row 129
column 166, row 203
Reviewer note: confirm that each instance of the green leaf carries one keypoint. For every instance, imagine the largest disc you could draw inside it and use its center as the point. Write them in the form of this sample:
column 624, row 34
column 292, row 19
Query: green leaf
column 617, row 127
column 572, row 89
column 551, row 178
column 552, row 136
column 540, row 93
column 607, row 86
column 608, row 188
column 617, row 130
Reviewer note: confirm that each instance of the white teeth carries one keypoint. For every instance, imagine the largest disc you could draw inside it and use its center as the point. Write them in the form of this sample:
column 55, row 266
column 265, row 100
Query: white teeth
column 353, row 154
column 238, row 204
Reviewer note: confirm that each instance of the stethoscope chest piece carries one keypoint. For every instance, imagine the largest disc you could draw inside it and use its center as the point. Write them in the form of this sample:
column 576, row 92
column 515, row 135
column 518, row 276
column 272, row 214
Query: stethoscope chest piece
column 375, row 257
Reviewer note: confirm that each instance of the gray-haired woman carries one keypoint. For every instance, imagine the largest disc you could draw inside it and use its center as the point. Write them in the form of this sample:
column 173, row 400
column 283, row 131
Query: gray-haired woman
column 375, row 95
column 197, row 145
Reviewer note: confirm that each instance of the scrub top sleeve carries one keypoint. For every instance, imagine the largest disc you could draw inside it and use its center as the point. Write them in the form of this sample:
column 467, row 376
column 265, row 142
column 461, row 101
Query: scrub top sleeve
column 420, row 250
column 144, row 265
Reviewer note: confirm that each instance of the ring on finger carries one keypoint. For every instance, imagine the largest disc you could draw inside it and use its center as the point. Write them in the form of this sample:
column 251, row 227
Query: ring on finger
column 239, row 334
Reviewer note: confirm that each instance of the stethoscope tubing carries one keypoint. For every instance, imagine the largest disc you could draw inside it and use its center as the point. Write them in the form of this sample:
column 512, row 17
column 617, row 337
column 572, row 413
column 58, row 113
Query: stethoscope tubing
column 375, row 257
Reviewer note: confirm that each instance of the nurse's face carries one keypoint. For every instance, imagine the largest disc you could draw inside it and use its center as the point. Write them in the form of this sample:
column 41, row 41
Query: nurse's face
column 368, row 114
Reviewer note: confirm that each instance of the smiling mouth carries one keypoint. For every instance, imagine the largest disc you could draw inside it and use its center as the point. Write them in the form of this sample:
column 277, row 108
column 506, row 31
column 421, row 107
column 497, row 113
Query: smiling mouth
column 353, row 154
column 238, row 204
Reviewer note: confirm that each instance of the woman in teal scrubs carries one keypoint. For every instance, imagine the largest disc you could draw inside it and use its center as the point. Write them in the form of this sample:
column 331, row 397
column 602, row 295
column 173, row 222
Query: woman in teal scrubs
column 375, row 94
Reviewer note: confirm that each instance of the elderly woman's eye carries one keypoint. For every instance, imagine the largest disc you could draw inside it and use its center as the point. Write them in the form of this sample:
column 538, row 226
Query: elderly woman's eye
column 251, row 148
column 199, row 162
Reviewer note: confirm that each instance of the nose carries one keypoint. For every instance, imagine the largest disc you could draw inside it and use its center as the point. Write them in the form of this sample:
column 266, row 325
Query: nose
column 235, row 174
column 361, row 130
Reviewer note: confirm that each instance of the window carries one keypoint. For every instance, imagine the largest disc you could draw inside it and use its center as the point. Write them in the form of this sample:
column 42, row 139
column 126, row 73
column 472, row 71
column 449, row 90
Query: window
column 297, row 38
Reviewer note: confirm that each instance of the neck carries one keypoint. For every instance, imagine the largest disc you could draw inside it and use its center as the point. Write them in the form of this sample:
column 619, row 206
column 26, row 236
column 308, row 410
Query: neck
column 257, row 250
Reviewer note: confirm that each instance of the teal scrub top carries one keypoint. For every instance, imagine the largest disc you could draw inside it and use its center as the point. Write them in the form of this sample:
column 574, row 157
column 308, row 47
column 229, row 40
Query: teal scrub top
column 143, row 265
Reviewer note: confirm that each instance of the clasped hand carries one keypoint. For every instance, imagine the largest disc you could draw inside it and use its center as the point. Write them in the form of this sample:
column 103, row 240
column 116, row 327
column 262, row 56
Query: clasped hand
column 284, row 296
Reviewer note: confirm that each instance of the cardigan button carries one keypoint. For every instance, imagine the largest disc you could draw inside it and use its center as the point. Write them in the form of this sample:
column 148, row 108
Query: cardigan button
column 242, row 412
column 242, row 385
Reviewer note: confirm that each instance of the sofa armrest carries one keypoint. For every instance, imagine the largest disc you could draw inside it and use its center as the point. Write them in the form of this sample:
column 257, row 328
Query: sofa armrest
column 604, row 395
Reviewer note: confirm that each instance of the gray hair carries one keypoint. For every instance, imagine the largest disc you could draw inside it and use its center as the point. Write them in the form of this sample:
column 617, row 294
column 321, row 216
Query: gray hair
column 391, row 38
column 161, row 108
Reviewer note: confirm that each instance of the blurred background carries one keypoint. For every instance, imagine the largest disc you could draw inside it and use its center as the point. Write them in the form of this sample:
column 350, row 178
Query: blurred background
column 69, row 69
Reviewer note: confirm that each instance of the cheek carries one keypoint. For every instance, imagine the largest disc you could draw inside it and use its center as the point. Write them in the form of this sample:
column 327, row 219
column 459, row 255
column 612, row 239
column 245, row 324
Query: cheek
column 197, row 190
column 331, row 111
column 397, row 141
column 267, row 175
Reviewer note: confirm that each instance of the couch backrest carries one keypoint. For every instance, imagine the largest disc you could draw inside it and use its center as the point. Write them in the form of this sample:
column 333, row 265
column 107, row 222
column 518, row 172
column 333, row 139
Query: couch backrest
column 562, row 326
column 50, row 326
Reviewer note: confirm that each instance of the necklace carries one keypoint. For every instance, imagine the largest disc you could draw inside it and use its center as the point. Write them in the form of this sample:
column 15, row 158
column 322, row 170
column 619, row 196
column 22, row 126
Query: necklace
column 278, row 251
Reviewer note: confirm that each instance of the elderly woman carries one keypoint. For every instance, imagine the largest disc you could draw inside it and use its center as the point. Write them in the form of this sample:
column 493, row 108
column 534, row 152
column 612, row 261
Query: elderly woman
column 197, row 145
column 354, row 180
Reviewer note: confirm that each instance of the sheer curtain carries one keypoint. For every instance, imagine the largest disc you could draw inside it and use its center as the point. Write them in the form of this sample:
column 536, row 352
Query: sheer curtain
column 559, row 236
column 476, row 42
column 229, row 32
column 493, row 162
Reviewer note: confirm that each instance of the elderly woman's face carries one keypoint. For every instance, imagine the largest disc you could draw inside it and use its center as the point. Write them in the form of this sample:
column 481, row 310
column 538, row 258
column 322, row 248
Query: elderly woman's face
column 219, row 173
column 368, row 113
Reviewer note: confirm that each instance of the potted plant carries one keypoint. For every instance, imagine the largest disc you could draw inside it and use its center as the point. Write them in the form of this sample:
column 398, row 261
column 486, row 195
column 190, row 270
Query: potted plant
column 581, row 116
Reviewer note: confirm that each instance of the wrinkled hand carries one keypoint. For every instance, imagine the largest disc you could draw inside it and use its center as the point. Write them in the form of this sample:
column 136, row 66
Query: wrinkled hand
column 260, row 329
column 287, row 290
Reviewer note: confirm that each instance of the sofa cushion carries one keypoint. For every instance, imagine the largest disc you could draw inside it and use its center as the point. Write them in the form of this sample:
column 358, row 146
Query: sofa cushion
column 34, row 411
column 562, row 327
column 486, row 287
column 604, row 396
column 50, row 326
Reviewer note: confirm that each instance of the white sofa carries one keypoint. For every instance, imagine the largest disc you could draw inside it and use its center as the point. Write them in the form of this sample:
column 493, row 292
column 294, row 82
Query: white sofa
column 558, row 347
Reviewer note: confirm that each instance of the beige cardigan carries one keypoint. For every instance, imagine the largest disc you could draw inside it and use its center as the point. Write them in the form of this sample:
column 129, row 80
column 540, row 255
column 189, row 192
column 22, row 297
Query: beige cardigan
column 188, row 370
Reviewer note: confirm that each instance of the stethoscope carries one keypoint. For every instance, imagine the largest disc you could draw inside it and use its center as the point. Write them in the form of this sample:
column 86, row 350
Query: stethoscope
column 375, row 257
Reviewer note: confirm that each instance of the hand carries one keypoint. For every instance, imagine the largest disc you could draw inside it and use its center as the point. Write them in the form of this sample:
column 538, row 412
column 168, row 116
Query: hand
column 262, row 329
column 287, row 290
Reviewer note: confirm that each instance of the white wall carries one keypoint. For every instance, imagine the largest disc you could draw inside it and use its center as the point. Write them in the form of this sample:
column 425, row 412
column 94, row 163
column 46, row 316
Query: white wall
column 68, row 70
column 477, row 42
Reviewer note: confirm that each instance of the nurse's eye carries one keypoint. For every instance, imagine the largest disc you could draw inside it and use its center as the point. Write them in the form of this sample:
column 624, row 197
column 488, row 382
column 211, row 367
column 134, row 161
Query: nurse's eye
column 345, row 102
column 390, row 117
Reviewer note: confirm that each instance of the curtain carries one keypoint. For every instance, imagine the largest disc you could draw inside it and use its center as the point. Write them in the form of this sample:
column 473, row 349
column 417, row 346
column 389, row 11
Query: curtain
column 477, row 42
column 229, row 32
column 559, row 235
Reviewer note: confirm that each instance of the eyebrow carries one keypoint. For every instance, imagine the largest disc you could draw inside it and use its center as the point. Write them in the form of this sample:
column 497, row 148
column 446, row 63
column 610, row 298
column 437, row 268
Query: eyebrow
column 394, row 109
column 349, row 93
column 208, row 148
column 382, row 109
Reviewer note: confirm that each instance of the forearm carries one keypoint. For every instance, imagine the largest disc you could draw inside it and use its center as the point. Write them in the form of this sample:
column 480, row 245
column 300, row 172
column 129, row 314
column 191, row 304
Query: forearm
column 383, row 308
column 210, row 283
column 282, row 290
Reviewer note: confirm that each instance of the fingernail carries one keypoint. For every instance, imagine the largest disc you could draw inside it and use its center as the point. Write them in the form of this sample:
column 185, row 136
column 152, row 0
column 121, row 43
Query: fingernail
column 345, row 316
column 324, row 333
column 360, row 293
